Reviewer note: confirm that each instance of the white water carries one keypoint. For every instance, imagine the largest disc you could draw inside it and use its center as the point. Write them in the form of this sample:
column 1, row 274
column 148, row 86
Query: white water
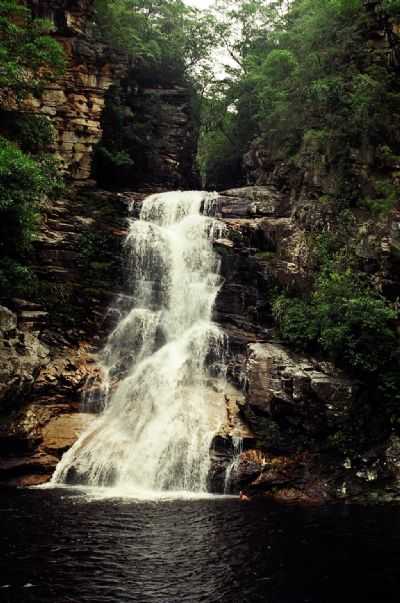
column 237, row 443
column 157, row 426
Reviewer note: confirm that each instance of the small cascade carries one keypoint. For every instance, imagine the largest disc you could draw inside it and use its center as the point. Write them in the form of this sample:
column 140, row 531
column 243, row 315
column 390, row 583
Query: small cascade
column 237, row 444
column 160, row 414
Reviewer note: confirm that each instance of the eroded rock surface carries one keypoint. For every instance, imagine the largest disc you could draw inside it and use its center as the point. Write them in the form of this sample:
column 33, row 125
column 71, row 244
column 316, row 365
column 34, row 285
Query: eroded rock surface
column 75, row 103
column 22, row 356
column 298, row 429
column 48, row 347
column 317, row 434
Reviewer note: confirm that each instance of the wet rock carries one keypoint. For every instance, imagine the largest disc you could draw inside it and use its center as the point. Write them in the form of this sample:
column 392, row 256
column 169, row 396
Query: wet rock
column 294, row 400
column 61, row 432
column 22, row 356
column 392, row 456
column 251, row 201
column 8, row 320
column 27, row 471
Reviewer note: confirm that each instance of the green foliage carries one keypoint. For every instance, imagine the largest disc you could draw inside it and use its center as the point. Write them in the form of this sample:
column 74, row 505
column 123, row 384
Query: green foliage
column 166, row 34
column 130, row 125
column 220, row 166
column 94, row 244
column 387, row 196
column 34, row 133
column 29, row 57
column 15, row 278
column 296, row 321
column 347, row 320
column 110, row 167
column 24, row 181
column 392, row 7
column 308, row 85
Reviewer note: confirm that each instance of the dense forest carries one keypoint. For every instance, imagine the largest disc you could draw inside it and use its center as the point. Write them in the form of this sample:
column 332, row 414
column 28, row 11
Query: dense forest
column 303, row 81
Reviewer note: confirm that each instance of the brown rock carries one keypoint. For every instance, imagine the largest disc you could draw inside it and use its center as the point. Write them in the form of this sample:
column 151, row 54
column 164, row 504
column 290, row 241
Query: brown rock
column 61, row 432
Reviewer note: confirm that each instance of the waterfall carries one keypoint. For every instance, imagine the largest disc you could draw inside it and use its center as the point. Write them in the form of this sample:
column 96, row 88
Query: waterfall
column 237, row 445
column 158, row 422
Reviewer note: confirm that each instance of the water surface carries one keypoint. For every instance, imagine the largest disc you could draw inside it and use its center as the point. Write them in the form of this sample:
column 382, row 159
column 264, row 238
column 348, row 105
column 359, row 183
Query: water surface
column 61, row 546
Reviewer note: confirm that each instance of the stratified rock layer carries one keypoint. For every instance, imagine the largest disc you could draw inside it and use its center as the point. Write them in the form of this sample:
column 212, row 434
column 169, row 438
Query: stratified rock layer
column 75, row 102
column 317, row 434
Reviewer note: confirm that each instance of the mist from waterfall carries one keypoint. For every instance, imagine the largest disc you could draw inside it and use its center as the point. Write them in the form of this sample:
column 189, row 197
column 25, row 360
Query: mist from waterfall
column 158, row 422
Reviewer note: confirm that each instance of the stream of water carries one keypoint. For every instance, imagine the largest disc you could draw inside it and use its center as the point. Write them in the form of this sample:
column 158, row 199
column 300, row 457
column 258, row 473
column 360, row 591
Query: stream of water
column 158, row 423
column 156, row 535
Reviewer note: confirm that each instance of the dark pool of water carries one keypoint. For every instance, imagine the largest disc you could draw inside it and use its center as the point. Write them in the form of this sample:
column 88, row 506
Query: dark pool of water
column 57, row 546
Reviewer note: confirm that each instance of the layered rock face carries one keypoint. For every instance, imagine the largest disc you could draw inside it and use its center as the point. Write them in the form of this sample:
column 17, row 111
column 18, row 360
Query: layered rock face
column 149, row 136
column 314, row 434
column 75, row 103
column 298, row 429
column 48, row 347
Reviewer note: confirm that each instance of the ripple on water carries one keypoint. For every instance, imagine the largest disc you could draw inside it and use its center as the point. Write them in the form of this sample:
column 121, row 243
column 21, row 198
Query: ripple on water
column 69, row 545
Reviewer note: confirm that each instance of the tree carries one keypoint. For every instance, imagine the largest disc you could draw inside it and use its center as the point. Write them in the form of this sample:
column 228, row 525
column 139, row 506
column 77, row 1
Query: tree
column 167, row 34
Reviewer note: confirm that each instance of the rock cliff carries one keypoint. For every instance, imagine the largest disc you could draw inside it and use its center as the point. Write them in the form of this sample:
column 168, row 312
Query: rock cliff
column 317, row 434
column 298, row 428
column 48, row 346
column 75, row 103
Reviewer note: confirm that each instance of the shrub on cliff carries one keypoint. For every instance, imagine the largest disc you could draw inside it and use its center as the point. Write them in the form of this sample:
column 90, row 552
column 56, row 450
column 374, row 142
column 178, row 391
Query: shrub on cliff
column 344, row 318
column 24, row 183
column 29, row 57
column 167, row 35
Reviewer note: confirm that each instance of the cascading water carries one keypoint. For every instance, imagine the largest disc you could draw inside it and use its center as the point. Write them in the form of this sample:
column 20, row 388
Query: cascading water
column 237, row 445
column 158, row 423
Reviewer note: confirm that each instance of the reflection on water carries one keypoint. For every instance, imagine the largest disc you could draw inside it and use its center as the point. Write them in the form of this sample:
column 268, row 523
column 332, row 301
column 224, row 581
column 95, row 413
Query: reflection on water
column 61, row 546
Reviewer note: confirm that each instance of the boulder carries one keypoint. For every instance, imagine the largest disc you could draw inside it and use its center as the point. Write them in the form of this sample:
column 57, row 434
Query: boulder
column 250, row 201
column 61, row 432
column 8, row 320
column 22, row 356
column 295, row 401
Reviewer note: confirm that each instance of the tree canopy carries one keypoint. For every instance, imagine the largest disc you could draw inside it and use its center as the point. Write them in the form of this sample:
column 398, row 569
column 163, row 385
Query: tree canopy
column 305, row 73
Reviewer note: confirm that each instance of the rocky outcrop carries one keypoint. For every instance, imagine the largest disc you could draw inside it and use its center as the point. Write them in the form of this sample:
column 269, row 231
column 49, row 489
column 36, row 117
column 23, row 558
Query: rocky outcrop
column 22, row 356
column 149, row 134
column 79, row 259
column 316, row 433
column 33, row 441
column 280, row 233
column 46, row 417
column 48, row 347
column 74, row 104
column 311, row 436
column 311, row 401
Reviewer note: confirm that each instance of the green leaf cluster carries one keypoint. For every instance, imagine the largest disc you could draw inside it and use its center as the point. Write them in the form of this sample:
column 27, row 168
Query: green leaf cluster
column 344, row 318
column 29, row 56
column 303, row 68
column 24, row 182
column 167, row 35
